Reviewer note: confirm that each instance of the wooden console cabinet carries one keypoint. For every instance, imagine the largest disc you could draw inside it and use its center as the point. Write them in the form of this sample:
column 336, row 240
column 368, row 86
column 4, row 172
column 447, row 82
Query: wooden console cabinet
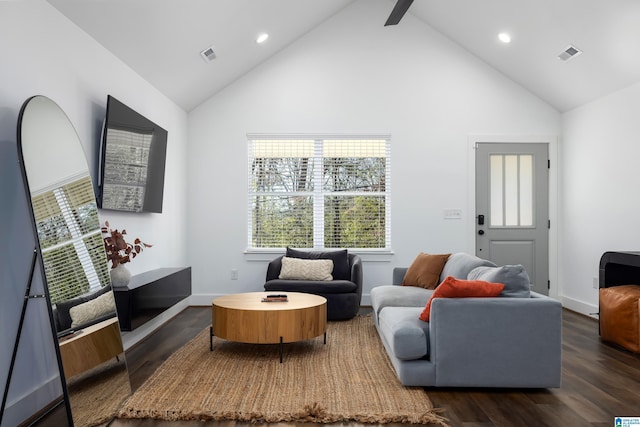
column 150, row 293
column 90, row 346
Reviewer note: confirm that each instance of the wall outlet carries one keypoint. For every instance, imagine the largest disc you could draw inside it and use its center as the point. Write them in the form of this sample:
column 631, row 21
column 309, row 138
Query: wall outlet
column 234, row 274
column 596, row 283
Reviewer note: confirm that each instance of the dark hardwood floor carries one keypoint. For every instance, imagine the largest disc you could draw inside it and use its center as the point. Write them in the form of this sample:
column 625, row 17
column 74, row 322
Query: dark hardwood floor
column 599, row 382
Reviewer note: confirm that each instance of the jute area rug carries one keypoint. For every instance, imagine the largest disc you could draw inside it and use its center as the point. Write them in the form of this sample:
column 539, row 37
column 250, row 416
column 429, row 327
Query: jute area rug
column 348, row 379
column 97, row 394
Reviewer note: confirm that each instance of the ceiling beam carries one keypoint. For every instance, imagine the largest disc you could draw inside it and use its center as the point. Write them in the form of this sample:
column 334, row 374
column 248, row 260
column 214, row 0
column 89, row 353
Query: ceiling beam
column 398, row 12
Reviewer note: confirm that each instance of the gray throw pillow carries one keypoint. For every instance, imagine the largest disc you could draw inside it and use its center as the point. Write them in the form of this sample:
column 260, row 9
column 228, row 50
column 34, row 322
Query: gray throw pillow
column 515, row 278
column 460, row 264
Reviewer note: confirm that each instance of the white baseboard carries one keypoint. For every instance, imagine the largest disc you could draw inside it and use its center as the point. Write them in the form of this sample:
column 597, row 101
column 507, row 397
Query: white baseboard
column 580, row 307
column 202, row 300
column 365, row 300
column 21, row 408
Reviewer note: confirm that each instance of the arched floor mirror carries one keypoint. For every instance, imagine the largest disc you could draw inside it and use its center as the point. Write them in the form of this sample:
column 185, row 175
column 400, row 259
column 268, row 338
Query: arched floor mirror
column 74, row 262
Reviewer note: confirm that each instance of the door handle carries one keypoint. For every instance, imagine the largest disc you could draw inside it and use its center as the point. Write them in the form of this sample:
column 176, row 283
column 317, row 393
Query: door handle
column 480, row 219
column 481, row 232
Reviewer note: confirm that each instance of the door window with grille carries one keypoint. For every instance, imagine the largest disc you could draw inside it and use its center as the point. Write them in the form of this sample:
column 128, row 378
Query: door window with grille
column 511, row 190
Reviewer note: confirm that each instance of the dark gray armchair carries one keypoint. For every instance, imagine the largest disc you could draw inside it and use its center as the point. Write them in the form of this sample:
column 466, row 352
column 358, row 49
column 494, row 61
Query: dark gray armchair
column 343, row 294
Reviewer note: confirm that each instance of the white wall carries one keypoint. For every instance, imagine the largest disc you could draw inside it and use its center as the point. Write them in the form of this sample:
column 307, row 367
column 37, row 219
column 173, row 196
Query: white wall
column 44, row 53
column 599, row 195
column 35, row 380
column 352, row 75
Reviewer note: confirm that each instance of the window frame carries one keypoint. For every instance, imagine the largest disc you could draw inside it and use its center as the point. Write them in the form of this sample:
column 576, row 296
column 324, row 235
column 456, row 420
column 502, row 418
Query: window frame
column 318, row 193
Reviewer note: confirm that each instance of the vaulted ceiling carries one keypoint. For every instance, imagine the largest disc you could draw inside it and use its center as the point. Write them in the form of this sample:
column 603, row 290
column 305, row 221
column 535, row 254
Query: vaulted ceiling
column 161, row 40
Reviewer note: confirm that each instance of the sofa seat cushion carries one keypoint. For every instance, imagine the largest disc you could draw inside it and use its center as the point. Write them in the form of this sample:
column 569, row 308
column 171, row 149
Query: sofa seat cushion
column 406, row 335
column 311, row 286
column 398, row 296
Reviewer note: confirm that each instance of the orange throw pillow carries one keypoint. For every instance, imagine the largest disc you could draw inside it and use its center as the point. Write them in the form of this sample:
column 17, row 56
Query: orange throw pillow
column 425, row 271
column 456, row 288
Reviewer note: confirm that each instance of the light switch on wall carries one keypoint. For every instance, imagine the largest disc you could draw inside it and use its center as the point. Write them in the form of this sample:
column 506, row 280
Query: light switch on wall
column 452, row 214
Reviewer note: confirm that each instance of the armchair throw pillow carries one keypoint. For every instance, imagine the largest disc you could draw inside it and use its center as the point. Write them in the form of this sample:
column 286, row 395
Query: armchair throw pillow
column 62, row 308
column 91, row 310
column 425, row 270
column 306, row 269
column 340, row 258
column 456, row 288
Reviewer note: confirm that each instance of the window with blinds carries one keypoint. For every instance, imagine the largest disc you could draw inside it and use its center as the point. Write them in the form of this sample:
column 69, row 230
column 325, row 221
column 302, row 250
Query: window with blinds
column 320, row 192
column 71, row 240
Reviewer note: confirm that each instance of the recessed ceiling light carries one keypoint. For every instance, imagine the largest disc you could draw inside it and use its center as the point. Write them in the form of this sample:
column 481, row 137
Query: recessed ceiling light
column 504, row 37
column 262, row 38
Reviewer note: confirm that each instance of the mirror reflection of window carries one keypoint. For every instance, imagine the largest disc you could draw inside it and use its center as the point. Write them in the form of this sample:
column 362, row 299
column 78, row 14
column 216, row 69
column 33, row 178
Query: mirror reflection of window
column 126, row 168
column 71, row 241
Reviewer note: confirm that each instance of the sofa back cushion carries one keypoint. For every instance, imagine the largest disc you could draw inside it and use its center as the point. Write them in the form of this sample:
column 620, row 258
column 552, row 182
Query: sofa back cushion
column 460, row 264
column 515, row 278
column 340, row 258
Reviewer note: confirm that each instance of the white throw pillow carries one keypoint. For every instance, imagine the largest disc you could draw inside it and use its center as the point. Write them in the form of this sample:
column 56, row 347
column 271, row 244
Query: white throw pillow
column 306, row 269
column 91, row 310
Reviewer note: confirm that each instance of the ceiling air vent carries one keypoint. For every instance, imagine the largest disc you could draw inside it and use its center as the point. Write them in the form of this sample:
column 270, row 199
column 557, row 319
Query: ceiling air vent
column 569, row 53
column 208, row 54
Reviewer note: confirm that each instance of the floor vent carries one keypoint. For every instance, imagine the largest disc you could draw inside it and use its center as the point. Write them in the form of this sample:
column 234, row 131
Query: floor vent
column 569, row 53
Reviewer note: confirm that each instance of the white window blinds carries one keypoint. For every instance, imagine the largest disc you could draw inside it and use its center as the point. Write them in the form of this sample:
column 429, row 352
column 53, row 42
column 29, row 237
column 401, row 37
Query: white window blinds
column 70, row 239
column 319, row 192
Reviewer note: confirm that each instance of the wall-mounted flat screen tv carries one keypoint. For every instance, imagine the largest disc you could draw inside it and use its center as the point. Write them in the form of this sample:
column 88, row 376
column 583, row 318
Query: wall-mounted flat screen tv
column 132, row 160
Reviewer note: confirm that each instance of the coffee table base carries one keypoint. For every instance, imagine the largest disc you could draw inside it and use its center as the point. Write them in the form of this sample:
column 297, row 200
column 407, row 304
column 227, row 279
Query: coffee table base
column 281, row 343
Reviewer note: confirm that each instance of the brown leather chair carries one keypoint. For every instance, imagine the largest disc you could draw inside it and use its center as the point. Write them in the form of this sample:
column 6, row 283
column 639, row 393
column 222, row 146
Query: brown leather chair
column 619, row 316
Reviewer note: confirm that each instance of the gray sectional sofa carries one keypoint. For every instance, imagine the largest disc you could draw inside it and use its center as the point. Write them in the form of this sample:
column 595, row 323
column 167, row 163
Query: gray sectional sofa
column 512, row 340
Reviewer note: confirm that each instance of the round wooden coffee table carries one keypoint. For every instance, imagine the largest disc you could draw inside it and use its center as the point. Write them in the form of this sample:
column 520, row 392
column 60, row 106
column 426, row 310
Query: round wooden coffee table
column 245, row 318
